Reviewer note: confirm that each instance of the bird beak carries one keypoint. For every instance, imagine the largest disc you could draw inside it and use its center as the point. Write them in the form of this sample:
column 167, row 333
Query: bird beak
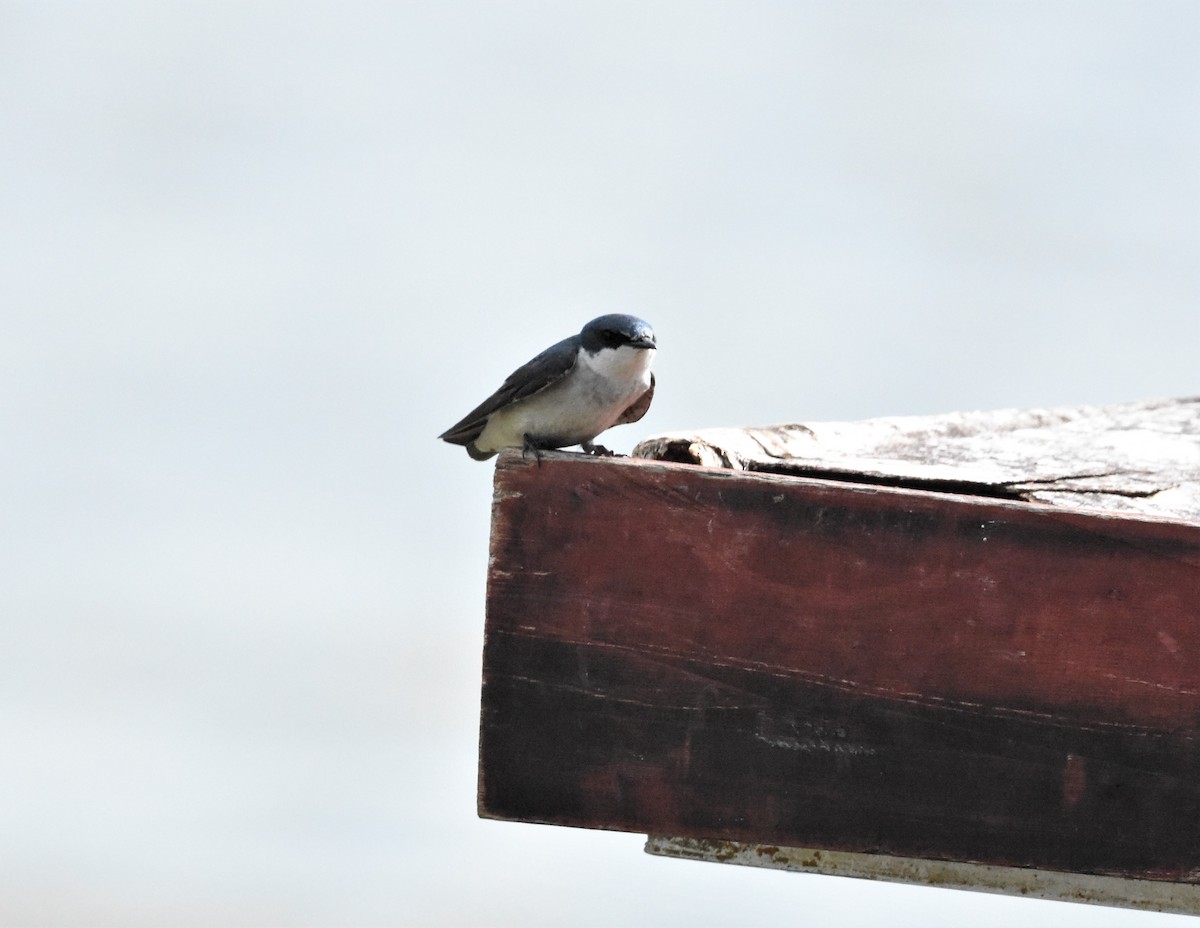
column 646, row 341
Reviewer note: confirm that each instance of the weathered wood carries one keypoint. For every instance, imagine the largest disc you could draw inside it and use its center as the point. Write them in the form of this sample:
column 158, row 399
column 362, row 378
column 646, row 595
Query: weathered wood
column 1134, row 457
column 798, row 662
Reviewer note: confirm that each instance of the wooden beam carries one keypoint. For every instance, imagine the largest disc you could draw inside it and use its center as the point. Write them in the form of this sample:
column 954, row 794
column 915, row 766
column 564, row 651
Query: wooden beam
column 714, row 654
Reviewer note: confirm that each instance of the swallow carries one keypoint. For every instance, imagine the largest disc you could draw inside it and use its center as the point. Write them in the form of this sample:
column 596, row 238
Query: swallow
column 568, row 394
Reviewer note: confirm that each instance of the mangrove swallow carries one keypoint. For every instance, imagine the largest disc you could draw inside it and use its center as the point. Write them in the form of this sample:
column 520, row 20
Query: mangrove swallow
column 568, row 394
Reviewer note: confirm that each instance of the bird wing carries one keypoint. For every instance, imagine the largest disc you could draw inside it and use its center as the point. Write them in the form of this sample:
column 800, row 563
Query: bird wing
column 638, row 407
column 532, row 377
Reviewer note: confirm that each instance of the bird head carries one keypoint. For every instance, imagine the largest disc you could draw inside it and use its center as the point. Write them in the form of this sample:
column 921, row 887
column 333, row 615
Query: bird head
column 617, row 331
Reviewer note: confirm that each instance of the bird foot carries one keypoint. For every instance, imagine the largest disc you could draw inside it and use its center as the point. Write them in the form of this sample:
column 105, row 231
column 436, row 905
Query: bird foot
column 598, row 450
column 529, row 448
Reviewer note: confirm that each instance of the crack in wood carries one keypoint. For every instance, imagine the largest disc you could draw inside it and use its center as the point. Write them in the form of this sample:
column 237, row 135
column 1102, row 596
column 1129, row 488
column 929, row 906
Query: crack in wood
column 933, row 485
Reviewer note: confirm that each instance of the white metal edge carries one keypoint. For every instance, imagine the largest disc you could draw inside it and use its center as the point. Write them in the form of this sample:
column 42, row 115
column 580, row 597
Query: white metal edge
column 1151, row 895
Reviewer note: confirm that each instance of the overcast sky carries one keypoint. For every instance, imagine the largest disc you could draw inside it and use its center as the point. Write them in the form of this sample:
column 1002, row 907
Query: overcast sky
column 259, row 254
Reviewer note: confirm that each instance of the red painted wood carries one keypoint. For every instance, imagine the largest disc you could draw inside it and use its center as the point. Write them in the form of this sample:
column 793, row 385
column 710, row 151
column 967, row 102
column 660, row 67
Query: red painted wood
column 680, row 650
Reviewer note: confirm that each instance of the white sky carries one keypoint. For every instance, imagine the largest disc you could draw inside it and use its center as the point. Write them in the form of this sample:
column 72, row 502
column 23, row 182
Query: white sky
column 259, row 254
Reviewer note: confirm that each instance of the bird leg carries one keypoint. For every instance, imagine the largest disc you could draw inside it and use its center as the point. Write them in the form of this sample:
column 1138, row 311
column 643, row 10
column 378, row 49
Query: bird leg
column 598, row 450
column 528, row 447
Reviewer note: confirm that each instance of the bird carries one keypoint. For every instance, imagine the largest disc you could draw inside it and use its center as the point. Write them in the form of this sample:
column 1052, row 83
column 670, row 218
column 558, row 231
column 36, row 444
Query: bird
column 568, row 394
